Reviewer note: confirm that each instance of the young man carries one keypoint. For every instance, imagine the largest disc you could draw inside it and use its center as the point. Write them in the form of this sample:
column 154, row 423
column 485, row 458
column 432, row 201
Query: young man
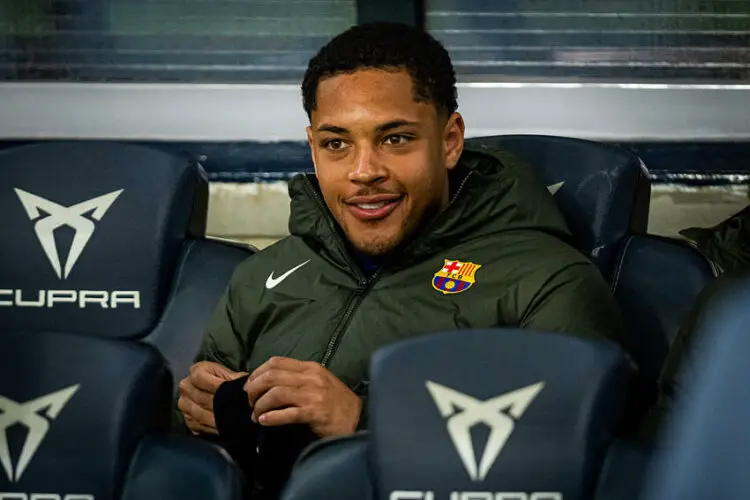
column 400, row 232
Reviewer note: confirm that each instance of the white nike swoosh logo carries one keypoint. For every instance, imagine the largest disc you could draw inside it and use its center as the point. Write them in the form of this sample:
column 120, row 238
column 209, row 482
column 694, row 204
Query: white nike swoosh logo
column 272, row 282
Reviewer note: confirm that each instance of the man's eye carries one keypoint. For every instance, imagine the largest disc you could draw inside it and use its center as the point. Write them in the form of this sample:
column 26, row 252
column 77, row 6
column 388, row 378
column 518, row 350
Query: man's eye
column 396, row 140
column 333, row 144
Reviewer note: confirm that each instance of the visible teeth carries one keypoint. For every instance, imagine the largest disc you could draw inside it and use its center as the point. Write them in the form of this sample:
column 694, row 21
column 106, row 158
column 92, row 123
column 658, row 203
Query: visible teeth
column 371, row 206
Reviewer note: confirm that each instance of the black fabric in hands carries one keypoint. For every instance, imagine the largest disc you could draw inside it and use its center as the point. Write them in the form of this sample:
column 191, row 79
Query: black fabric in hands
column 266, row 455
column 232, row 414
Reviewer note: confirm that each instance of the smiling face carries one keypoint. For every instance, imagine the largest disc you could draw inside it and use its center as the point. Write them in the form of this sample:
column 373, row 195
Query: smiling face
column 381, row 156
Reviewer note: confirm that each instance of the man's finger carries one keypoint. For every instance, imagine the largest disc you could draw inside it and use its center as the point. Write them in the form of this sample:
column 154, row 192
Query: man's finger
column 223, row 372
column 210, row 366
column 198, row 427
column 207, row 380
column 190, row 408
column 280, row 397
column 282, row 363
column 202, row 398
column 195, row 426
column 273, row 377
column 286, row 416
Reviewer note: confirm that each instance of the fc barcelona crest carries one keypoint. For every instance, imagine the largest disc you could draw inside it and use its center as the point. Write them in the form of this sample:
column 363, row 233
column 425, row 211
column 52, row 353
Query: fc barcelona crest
column 455, row 276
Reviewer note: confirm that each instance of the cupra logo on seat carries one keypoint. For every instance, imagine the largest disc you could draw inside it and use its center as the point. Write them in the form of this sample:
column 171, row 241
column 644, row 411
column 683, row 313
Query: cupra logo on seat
column 34, row 415
column 498, row 413
column 59, row 216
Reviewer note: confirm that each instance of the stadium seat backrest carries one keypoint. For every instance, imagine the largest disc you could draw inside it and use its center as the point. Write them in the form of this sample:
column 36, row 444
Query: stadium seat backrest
column 656, row 282
column 494, row 411
column 604, row 194
column 107, row 239
column 80, row 414
column 477, row 414
column 319, row 471
column 602, row 190
column 93, row 234
column 74, row 409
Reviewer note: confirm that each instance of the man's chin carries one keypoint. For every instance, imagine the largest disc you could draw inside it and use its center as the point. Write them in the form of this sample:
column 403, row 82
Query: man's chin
column 375, row 251
column 375, row 248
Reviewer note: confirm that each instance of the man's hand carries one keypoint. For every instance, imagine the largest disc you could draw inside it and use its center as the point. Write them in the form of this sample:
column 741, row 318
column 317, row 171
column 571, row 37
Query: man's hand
column 197, row 391
column 286, row 391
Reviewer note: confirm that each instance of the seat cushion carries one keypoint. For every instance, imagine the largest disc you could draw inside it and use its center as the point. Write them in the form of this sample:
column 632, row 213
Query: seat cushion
column 319, row 471
column 92, row 235
column 173, row 468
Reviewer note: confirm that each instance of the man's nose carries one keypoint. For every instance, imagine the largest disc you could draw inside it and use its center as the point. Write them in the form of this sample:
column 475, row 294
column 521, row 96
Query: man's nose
column 367, row 168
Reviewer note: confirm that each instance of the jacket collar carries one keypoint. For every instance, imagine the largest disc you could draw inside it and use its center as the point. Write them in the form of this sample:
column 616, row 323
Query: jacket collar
column 492, row 193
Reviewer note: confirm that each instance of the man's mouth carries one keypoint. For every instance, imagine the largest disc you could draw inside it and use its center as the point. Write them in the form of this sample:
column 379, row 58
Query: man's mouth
column 375, row 207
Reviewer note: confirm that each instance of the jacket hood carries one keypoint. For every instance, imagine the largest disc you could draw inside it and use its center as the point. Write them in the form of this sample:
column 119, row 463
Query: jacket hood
column 492, row 191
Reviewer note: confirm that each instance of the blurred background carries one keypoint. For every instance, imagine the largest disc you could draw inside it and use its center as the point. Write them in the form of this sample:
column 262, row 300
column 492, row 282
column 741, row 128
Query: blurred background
column 219, row 79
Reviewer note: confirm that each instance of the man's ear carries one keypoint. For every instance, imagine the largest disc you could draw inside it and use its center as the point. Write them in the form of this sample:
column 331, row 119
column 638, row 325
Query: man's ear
column 453, row 140
column 312, row 148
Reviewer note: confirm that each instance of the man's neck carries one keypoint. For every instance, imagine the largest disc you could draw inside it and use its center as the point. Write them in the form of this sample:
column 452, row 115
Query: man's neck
column 367, row 263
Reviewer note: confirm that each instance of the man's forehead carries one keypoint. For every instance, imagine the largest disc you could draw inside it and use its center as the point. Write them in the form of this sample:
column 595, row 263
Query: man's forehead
column 372, row 96
column 397, row 77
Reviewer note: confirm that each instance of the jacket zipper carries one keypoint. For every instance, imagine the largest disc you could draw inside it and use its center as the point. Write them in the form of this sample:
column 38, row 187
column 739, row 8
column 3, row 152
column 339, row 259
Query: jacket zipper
column 364, row 283
column 354, row 301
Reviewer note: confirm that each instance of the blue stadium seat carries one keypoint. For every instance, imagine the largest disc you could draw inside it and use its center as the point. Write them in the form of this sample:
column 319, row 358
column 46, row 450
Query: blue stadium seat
column 603, row 191
column 174, row 468
column 604, row 194
column 87, row 417
column 656, row 282
column 623, row 470
column 321, row 467
column 108, row 239
column 482, row 411
column 106, row 284
column 700, row 451
column 706, row 446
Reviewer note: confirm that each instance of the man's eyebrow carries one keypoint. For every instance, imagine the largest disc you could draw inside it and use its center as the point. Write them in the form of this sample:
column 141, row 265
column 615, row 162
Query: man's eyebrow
column 335, row 129
column 393, row 124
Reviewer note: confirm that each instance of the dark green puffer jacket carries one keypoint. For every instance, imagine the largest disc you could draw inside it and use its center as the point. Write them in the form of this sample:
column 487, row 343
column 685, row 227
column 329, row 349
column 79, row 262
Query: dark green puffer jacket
column 501, row 222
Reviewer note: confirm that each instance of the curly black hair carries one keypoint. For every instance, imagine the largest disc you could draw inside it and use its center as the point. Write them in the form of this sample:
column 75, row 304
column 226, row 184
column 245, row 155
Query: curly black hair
column 388, row 46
